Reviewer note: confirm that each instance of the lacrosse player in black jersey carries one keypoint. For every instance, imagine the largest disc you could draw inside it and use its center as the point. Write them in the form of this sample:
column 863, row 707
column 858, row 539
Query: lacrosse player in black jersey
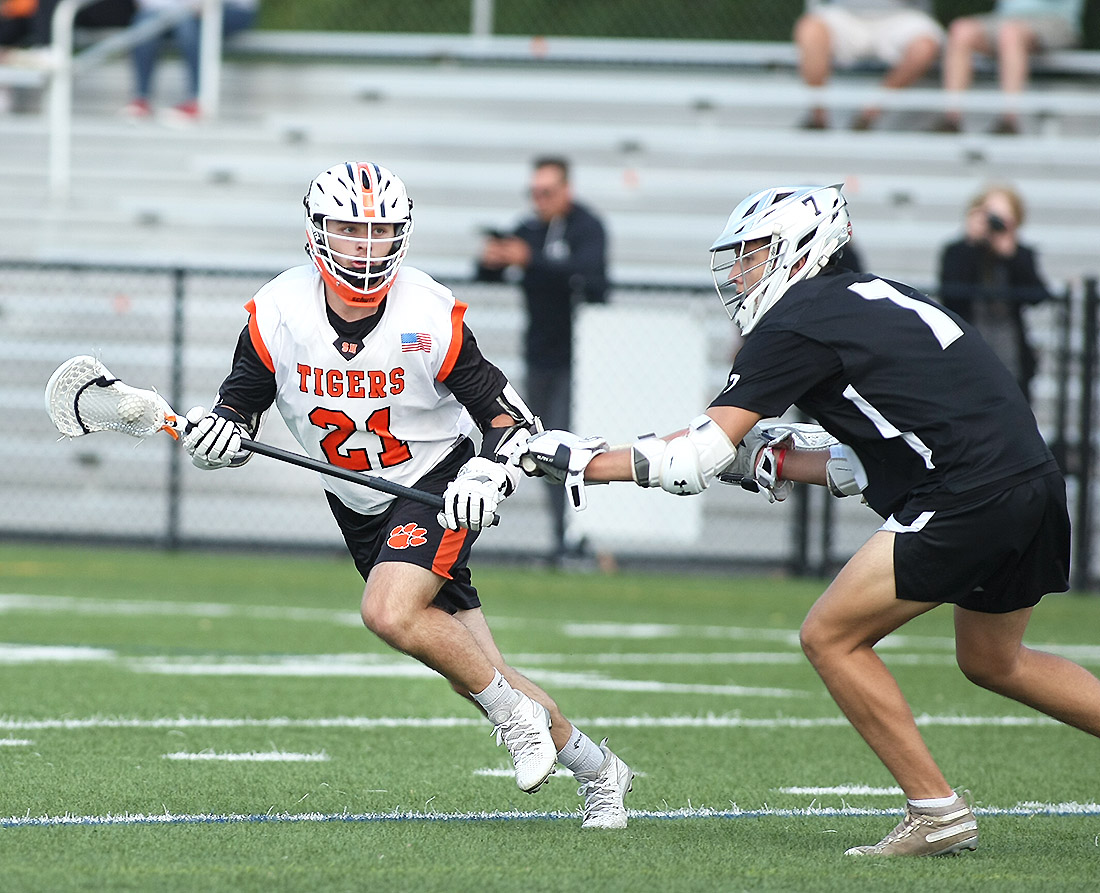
column 373, row 369
column 941, row 443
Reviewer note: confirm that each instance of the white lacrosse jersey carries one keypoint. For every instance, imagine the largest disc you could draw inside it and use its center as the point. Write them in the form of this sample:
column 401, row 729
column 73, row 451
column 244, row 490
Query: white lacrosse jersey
column 382, row 410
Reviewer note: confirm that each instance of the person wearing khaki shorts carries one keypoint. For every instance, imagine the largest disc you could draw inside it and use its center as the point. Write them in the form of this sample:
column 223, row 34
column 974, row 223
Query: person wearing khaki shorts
column 1013, row 32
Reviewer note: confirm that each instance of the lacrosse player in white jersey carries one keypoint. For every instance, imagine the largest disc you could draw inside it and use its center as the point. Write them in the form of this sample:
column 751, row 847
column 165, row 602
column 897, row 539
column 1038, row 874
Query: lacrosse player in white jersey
column 941, row 443
column 374, row 370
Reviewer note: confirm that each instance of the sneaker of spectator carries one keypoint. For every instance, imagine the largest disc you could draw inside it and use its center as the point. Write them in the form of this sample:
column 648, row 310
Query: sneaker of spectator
column 1006, row 125
column 949, row 123
column 816, row 119
column 137, row 109
column 183, row 115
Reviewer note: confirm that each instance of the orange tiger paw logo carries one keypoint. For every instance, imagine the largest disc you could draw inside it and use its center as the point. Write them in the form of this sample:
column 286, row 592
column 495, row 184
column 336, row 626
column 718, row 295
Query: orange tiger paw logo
column 407, row 535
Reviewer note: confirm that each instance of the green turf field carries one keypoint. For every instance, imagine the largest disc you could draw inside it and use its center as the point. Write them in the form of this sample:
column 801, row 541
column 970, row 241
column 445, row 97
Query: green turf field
column 179, row 722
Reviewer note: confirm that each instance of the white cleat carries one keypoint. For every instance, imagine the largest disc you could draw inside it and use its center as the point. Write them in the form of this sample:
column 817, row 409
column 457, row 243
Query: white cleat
column 604, row 790
column 526, row 734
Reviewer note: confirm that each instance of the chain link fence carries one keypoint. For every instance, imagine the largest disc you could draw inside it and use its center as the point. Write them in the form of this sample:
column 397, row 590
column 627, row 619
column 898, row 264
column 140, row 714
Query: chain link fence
column 175, row 329
column 699, row 20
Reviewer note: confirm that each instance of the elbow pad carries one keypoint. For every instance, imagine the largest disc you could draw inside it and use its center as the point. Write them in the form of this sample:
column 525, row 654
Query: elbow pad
column 686, row 464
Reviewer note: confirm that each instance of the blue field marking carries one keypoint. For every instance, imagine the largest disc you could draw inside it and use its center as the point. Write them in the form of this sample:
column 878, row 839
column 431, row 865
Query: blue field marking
column 1021, row 809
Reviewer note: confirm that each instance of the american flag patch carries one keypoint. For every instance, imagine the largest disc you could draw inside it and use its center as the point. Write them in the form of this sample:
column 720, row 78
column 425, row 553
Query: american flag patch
column 416, row 341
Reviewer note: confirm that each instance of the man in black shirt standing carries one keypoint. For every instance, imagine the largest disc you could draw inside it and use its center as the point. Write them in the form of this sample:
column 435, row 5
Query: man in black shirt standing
column 562, row 250
column 946, row 450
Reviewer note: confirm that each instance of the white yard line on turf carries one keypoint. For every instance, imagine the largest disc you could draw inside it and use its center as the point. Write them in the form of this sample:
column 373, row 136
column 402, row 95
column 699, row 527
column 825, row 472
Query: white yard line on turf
column 391, row 663
column 390, row 666
column 273, row 756
column 10, row 724
column 167, row 818
column 843, row 790
column 395, row 666
column 57, row 604
column 63, row 604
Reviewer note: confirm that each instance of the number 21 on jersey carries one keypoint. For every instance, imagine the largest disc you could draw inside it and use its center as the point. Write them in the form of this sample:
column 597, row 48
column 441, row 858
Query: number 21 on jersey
column 342, row 426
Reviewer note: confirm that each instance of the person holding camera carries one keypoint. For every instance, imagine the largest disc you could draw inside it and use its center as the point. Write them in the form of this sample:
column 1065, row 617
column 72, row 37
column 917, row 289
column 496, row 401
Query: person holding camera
column 988, row 277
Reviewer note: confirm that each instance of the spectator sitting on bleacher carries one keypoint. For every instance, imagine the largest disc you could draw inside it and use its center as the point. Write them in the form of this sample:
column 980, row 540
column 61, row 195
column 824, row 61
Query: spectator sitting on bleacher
column 30, row 35
column 1012, row 32
column 899, row 33
column 237, row 16
column 15, row 22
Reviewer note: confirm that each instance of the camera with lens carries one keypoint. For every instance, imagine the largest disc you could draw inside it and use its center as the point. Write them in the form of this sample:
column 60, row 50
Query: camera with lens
column 996, row 224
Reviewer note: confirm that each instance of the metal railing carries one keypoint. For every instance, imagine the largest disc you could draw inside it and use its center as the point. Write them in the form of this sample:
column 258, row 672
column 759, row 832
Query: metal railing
column 67, row 63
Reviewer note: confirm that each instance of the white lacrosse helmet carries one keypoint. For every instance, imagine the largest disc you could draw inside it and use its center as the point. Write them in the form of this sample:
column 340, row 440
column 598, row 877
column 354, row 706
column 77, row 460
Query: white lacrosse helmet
column 801, row 222
column 357, row 192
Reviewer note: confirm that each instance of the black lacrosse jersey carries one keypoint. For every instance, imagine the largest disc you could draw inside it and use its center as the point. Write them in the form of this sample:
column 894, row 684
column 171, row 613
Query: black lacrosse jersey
column 912, row 388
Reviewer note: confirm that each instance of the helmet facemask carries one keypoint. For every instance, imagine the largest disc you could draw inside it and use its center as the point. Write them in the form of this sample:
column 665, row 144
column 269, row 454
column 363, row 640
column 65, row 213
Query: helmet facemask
column 365, row 262
column 733, row 291
column 358, row 259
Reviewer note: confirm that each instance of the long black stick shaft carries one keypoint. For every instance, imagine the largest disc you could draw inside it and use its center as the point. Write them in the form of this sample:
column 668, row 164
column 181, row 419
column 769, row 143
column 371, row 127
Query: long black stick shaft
column 356, row 477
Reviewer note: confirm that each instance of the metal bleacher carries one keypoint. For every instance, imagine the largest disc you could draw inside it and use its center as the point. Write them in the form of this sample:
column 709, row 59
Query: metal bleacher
column 663, row 151
column 658, row 143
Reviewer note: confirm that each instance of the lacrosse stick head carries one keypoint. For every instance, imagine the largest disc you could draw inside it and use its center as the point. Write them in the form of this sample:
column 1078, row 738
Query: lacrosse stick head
column 82, row 396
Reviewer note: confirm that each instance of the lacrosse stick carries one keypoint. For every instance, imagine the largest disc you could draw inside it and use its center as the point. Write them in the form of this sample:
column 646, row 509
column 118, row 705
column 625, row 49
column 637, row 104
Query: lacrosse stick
column 83, row 397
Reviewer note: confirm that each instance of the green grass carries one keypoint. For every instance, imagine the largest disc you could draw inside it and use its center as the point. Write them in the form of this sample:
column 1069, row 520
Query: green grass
column 148, row 620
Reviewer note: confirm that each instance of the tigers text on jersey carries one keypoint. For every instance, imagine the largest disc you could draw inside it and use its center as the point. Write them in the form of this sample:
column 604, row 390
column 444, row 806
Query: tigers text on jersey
column 380, row 408
column 912, row 388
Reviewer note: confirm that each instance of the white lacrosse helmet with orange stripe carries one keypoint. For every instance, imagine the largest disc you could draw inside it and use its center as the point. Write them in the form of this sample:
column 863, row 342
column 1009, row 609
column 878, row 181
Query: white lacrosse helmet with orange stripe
column 343, row 206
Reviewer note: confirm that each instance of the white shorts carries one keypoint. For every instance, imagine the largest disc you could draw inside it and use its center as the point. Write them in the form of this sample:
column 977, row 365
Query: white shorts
column 880, row 36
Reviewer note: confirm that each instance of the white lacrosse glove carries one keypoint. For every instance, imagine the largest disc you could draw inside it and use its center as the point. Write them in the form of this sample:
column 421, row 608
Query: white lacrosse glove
column 760, row 460
column 562, row 457
column 471, row 499
column 211, row 441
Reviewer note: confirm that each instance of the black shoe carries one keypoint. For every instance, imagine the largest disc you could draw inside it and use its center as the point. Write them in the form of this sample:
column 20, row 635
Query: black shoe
column 947, row 125
column 864, row 121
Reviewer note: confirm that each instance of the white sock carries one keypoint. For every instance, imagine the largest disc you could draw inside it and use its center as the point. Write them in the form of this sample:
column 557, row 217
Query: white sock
column 581, row 753
column 935, row 802
column 498, row 699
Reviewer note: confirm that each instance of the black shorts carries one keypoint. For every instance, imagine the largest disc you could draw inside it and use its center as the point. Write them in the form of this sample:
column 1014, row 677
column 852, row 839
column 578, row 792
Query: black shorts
column 408, row 532
column 998, row 553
